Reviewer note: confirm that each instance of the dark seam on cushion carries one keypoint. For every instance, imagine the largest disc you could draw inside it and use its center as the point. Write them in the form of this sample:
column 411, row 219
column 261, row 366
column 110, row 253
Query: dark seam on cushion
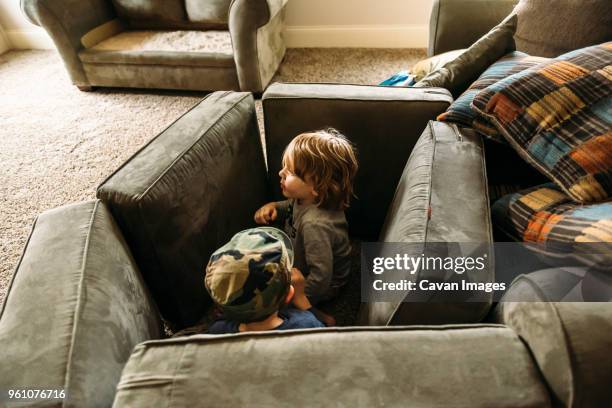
column 424, row 243
column 174, row 375
column 210, row 338
column 488, row 220
column 435, row 37
column 157, row 262
column 149, row 142
column 78, row 305
column 10, row 286
column 458, row 136
column 571, row 358
column 190, row 147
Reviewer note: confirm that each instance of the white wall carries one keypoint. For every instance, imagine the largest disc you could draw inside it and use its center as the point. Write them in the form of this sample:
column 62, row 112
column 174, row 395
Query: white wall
column 21, row 34
column 358, row 23
column 4, row 44
column 310, row 23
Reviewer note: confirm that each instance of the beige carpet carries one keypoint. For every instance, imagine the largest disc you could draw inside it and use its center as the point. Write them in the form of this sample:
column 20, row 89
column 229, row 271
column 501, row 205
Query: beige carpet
column 57, row 143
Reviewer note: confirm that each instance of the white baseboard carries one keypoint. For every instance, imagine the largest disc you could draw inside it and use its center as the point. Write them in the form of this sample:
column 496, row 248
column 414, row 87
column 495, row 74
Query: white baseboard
column 30, row 39
column 383, row 36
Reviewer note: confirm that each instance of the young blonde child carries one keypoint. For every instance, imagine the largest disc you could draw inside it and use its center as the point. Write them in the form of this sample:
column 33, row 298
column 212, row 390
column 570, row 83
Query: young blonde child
column 317, row 180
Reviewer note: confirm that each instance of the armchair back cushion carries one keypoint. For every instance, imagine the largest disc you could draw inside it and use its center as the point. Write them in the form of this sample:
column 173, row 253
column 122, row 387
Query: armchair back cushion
column 139, row 13
column 187, row 192
column 75, row 309
column 169, row 14
column 208, row 11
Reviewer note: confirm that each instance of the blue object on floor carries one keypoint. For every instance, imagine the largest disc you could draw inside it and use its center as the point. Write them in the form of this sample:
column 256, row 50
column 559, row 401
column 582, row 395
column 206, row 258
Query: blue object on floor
column 402, row 78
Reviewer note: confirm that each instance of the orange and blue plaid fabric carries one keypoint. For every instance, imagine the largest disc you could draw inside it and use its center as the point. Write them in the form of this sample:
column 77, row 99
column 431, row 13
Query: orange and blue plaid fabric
column 548, row 218
column 558, row 116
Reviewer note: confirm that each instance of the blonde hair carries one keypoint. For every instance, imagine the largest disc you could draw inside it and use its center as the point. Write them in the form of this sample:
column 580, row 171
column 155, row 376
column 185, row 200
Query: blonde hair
column 328, row 160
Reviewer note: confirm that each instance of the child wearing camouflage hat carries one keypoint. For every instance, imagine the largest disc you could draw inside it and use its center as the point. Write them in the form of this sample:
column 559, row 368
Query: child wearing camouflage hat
column 317, row 178
column 250, row 279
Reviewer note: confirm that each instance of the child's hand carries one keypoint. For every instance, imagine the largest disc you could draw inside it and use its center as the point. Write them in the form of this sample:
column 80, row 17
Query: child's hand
column 298, row 282
column 266, row 214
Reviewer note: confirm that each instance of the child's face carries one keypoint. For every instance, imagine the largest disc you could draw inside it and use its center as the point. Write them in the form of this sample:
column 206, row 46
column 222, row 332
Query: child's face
column 293, row 186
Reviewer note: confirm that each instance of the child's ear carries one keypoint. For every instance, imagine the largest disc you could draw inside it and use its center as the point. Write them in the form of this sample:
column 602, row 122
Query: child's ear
column 290, row 294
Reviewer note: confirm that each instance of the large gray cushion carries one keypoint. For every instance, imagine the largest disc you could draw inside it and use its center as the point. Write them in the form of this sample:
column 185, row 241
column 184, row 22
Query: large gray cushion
column 570, row 341
column 208, row 11
column 549, row 28
column 75, row 308
column 457, row 74
column 384, row 123
column 440, row 198
column 139, row 12
column 458, row 366
column 187, row 192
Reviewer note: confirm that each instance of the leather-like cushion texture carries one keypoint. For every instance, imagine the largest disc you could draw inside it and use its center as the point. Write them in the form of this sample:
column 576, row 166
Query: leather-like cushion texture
column 75, row 309
column 208, row 11
column 461, row 111
column 459, row 73
column 557, row 225
column 466, row 366
column 557, row 116
column 441, row 198
column 549, row 28
column 570, row 341
column 185, row 193
column 383, row 122
column 424, row 67
column 456, row 24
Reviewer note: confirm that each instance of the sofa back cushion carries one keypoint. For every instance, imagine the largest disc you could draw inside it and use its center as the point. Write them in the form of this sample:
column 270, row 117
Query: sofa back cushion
column 173, row 14
column 75, row 309
column 208, row 11
column 415, row 366
column 549, row 28
column 556, row 115
column 139, row 12
column 186, row 193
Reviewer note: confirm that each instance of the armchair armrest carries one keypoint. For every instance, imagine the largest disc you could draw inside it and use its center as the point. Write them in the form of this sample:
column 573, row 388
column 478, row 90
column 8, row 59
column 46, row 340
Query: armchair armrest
column 75, row 309
column 256, row 30
column 66, row 22
column 384, row 124
column 456, row 24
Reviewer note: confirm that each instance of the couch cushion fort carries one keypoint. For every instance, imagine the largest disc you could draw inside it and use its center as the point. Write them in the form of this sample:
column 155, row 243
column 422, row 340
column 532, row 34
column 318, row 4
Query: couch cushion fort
column 187, row 191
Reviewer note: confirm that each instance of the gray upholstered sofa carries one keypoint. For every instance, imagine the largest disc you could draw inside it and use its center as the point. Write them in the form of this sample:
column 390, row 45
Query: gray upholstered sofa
column 83, row 310
column 194, row 45
column 95, row 276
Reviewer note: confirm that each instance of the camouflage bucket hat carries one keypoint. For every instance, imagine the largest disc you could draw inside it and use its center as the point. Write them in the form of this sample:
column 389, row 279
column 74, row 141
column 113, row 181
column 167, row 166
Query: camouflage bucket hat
column 249, row 277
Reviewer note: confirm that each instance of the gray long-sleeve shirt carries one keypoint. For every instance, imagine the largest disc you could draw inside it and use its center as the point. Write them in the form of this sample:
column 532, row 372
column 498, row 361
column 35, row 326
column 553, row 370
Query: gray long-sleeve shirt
column 321, row 246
